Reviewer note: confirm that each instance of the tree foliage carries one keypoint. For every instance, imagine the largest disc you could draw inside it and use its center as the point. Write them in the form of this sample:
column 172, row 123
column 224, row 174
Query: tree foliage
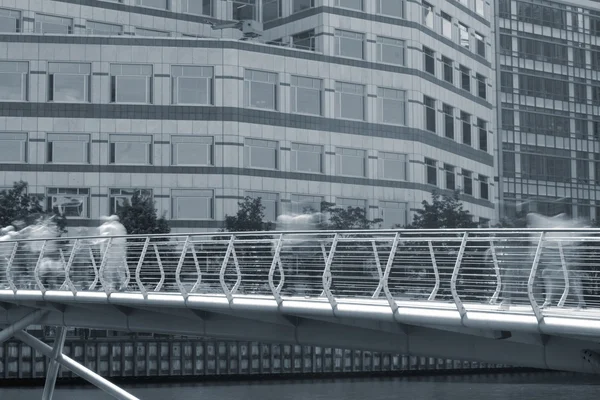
column 444, row 211
column 346, row 218
column 21, row 209
column 140, row 216
column 249, row 217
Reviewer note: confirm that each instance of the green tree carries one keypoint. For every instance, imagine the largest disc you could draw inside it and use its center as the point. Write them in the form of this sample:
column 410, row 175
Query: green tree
column 140, row 216
column 249, row 217
column 444, row 211
column 21, row 209
column 346, row 218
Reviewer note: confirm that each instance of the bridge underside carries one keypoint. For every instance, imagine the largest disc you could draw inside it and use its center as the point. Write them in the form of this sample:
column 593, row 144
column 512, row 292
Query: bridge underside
column 433, row 329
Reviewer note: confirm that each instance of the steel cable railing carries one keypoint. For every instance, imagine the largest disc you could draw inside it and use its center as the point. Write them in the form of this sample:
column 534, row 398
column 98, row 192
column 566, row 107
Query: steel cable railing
column 542, row 269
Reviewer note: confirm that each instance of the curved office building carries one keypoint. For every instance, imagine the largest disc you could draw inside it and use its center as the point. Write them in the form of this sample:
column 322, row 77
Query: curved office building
column 369, row 103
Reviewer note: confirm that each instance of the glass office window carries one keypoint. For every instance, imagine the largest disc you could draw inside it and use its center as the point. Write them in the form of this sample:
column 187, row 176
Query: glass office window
column 118, row 198
column 68, row 148
column 69, row 82
column 161, row 4
column 391, row 51
column 391, row 106
column 354, row 4
column 350, row 162
column 270, row 201
column 392, row 8
column 349, row 44
column 192, row 204
column 131, row 83
column 393, row 213
column 68, row 202
column 306, row 95
column 197, row 7
column 450, row 177
column 393, row 165
column 13, row 80
column 51, row 24
column 13, row 147
column 349, row 101
column 260, row 153
column 260, row 89
column 130, row 149
column 192, row 84
column 430, row 123
column 302, row 204
column 102, row 28
column 191, row 150
column 467, row 182
column 307, row 158
column 431, row 171
column 10, row 20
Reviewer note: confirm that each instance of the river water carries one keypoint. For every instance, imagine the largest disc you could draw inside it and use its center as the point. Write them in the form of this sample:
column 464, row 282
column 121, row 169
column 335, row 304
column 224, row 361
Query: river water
column 506, row 386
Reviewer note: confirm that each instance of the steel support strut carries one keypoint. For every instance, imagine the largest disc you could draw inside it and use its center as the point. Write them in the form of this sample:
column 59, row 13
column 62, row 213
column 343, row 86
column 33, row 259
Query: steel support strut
column 53, row 366
column 75, row 367
column 21, row 324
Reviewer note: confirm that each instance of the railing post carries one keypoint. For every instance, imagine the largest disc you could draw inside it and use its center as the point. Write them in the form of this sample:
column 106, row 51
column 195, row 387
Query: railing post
column 534, row 267
column 436, row 272
column 138, row 269
column 198, row 271
column 379, row 271
column 327, row 279
column 107, row 288
column 180, row 265
column 95, row 267
column 226, row 290
column 161, row 269
column 68, row 267
column 459, row 304
column 36, row 270
column 497, row 271
column 9, row 278
column 565, row 269
column 274, row 262
column 386, row 274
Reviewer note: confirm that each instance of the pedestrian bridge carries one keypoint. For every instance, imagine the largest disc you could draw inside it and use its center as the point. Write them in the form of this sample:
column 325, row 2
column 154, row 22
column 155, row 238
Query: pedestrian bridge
column 527, row 297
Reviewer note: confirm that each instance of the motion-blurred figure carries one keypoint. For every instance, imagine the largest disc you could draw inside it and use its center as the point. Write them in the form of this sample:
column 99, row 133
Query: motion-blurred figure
column 551, row 259
column 113, row 253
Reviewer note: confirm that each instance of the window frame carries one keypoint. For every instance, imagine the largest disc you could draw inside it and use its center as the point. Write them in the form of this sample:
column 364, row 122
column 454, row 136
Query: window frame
column 87, row 81
column 149, row 82
column 484, row 187
column 18, row 20
column 467, row 177
column 446, row 25
column 24, row 90
column 464, row 40
column 448, row 70
column 82, row 193
column 188, row 140
column 90, row 31
column 450, row 176
column 37, row 24
column 338, row 3
column 428, row 60
column 383, row 42
column 381, row 97
column 340, row 157
column 449, row 129
column 380, row 7
column 430, row 104
column 481, row 86
column 301, row 148
column 385, row 205
column 466, row 130
column 254, row 76
column 112, row 144
column 465, row 72
column 250, row 143
column 276, row 199
column 428, row 14
column 480, row 44
column 295, row 202
column 180, row 193
column 83, row 138
column 338, row 95
column 395, row 157
column 23, row 139
column 184, row 7
column 176, row 76
column 295, row 87
column 140, row 3
column 341, row 36
column 431, row 177
column 113, row 197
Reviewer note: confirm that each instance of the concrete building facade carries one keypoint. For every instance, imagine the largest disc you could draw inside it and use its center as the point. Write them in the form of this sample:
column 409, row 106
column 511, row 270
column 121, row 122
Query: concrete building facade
column 358, row 103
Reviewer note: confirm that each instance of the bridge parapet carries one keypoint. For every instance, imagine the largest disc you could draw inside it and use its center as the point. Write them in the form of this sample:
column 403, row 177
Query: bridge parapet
column 556, row 268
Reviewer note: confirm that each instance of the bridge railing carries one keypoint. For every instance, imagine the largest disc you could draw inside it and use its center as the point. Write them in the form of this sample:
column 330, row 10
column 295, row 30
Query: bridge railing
column 532, row 267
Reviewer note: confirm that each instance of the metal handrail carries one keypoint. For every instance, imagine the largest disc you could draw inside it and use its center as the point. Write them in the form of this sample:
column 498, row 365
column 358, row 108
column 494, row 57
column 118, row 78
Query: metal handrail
column 461, row 268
